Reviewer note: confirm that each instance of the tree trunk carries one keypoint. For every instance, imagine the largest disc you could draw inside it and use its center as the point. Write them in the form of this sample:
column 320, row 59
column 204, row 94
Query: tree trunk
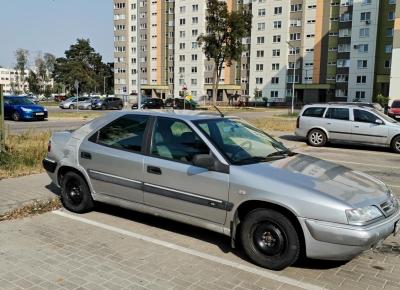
column 215, row 84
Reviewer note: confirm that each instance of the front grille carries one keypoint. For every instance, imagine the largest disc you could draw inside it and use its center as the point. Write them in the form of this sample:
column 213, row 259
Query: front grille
column 389, row 207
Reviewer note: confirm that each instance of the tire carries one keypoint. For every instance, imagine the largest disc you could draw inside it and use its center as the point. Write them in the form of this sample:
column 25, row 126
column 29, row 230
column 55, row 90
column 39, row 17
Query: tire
column 103, row 107
column 120, row 107
column 270, row 239
column 72, row 107
column 75, row 193
column 16, row 116
column 396, row 144
column 316, row 138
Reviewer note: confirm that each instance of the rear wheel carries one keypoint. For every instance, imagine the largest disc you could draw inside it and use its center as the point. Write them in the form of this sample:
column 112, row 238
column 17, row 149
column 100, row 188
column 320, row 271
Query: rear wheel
column 270, row 239
column 71, row 107
column 396, row 144
column 16, row 116
column 120, row 107
column 75, row 193
column 316, row 138
column 103, row 107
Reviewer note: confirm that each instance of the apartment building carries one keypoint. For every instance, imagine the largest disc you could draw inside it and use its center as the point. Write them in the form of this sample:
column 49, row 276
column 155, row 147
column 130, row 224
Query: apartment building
column 11, row 81
column 329, row 50
column 395, row 69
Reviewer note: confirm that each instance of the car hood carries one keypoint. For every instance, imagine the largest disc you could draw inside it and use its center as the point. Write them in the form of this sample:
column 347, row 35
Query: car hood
column 35, row 108
column 321, row 177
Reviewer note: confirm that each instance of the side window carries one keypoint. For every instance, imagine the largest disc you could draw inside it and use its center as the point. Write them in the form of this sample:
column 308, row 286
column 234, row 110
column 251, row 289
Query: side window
column 174, row 139
column 338, row 114
column 364, row 116
column 317, row 112
column 124, row 133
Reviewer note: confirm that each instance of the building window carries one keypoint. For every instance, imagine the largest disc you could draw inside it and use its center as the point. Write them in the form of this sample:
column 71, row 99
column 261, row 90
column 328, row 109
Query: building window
column 388, row 63
column 360, row 95
column 364, row 32
column 260, row 53
column 276, row 52
column 259, row 81
column 295, row 7
column 260, row 39
column 259, row 67
column 261, row 26
column 294, row 36
column 261, row 12
column 362, row 63
column 363, row 48
column 277, row 10
column 276, row 39
column 342, row 78
column 274, row 94
column 389, row 32
column 278, row 24
column 388, row 48
column 275, row 80
column 365, row 16
column 391, row 15
column 275, row 66
column 361, row 79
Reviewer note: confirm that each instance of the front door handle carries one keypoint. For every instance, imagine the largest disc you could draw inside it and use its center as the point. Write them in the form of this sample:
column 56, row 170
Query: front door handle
column 86, row 155
column 356, row 126
column 154, row 170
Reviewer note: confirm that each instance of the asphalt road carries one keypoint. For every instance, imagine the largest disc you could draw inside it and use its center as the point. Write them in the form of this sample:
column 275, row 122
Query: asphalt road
column 69, row 123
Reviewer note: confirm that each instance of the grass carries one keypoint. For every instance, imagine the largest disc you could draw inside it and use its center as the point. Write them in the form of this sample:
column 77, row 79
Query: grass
column 85, row 115
column 23, row 154
column 274, row 124
column 288, row 115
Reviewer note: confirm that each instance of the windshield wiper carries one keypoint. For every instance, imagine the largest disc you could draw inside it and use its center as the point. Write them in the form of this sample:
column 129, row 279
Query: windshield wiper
column 281, row 153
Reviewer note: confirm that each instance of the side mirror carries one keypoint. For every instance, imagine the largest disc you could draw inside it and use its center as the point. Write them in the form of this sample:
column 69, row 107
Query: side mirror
column 378, row 122
column 204, row 160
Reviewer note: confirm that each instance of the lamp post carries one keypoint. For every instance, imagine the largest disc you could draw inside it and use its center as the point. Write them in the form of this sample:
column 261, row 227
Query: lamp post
column 294, row 75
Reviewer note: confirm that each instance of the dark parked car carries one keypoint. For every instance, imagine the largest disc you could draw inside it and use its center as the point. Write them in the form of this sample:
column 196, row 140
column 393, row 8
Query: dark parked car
column 107, row 104
column 394, row 110
column 21, row 108
column 151, row 103
column 180, row 104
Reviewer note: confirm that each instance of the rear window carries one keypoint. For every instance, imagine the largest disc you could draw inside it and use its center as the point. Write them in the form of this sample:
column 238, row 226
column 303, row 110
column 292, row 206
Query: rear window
column 396, row 104
column 317, row 112
column 338, row 114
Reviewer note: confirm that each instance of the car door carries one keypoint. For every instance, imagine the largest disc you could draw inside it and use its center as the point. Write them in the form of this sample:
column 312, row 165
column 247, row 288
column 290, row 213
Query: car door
column 113, row 157
column 173, row 183
column 7, row 108
column 337, row 122
column 365, row 128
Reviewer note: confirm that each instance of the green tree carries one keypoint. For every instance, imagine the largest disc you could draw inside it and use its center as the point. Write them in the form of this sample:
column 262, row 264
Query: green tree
column 223, row 41
column 82, row 63
column 49, row 61
column 22, row 58
column 33, row 83
column 382, row 100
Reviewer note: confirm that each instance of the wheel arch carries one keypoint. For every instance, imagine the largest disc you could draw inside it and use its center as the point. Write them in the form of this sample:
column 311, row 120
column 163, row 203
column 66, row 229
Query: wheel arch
column 247, row 206
column 64, row 169
column 395, row 136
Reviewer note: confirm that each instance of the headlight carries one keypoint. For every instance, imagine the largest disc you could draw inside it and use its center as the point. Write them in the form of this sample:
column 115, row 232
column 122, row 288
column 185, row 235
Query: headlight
column 45, row 109
column 26, row 110
column 362, row 216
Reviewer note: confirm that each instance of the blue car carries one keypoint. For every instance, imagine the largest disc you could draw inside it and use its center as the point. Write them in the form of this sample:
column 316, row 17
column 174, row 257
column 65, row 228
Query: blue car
column 21, row 108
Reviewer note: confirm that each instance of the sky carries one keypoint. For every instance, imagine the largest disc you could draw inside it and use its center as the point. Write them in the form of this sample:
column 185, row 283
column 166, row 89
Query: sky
column 53, row 25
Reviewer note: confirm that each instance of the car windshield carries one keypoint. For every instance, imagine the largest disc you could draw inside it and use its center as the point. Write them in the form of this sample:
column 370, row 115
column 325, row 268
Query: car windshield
column 242, row 143
column 19, row 101
column 383, row 116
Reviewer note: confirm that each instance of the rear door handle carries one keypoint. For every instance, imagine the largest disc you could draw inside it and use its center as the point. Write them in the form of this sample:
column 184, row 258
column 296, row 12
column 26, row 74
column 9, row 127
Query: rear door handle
column 154, row 170
column 328, row 123
column 86, row 155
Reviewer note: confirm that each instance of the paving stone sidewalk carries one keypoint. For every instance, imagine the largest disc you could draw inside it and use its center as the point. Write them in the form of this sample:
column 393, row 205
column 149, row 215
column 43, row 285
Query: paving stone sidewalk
column 16, row 192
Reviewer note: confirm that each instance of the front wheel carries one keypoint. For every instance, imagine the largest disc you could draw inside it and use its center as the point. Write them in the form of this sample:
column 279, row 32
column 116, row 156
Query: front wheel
column 396, row 144
column 75, row 193
column 270, row 239
column 16, row 116
column 317, row 138
column 120, row 107
column 72, row 107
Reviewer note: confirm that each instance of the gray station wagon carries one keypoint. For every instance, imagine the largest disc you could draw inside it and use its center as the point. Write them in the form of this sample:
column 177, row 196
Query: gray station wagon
column 321, row 123
column 222, row 174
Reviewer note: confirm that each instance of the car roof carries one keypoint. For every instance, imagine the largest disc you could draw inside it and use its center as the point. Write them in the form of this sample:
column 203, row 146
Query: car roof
column 189, row 115
column 340, row 105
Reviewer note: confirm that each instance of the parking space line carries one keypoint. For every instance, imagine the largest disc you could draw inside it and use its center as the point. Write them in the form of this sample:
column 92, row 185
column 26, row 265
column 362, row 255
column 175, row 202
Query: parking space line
column 261, row 272
column 358, row 163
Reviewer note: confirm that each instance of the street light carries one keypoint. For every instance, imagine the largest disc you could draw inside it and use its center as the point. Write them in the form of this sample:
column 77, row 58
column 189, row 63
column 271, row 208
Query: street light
column 294, row 74
column 104, row 84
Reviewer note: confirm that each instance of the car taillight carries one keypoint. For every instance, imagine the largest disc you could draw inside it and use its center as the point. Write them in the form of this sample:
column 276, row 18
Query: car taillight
column 298, row 122
column 49, row 146
column 390, row 111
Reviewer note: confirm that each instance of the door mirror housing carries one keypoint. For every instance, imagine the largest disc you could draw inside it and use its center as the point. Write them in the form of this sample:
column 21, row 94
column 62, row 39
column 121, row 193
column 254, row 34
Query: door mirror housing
column 378, row 122
column 204, row 160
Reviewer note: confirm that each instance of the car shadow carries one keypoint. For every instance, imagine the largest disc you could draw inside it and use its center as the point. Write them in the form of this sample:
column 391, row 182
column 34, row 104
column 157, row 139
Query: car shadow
column 53, row 188
column 219, row 240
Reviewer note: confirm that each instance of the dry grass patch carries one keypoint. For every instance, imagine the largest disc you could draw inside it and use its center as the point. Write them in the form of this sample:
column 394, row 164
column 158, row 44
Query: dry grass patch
column 23, row 154
column 32, row 208
column 81, row 115
column 275, row 124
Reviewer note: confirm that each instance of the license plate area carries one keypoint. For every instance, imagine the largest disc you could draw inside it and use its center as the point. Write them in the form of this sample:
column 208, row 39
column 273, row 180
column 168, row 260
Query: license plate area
column 39, row 114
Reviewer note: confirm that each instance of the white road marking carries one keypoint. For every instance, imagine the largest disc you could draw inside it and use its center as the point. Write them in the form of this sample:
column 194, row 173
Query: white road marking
column 358, row 163
column 253, row 270
column 391, row 185
column 346, row 150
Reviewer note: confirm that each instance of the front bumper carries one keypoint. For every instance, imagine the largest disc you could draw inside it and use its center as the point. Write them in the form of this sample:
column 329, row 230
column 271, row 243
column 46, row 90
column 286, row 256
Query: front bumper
column 34, row 115
column 333, row 241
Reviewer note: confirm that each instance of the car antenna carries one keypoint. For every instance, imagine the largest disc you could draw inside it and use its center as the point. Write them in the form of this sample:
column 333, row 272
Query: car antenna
column 220, row 113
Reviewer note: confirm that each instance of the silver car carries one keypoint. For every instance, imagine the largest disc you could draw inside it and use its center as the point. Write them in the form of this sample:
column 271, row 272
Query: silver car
column 71, row 103
column 227, row 176
column 321, row 123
